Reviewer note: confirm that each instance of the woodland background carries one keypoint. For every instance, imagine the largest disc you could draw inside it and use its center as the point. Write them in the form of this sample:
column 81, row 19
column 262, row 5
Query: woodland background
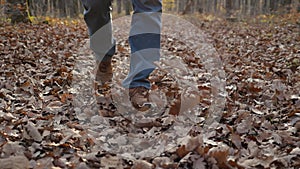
column 234, row 9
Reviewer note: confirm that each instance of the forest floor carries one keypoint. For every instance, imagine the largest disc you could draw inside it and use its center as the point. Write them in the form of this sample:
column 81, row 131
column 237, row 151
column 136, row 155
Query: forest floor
column 52, row 115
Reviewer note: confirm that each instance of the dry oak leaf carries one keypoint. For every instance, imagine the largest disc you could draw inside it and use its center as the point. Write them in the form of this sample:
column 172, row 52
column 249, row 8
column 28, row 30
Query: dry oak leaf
column 32, row 132
column 141, row 164
column 111, row 162
column 12, row 148
column 251, row 163
column 220, row 154
column 199, row 164
column 17, row 162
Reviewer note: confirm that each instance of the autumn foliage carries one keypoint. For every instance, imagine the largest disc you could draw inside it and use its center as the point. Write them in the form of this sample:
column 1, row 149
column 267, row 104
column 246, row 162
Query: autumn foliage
column 259, row 127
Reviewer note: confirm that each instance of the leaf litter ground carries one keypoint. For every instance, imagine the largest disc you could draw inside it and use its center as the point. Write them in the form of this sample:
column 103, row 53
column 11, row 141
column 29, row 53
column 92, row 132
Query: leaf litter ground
column 40, row 126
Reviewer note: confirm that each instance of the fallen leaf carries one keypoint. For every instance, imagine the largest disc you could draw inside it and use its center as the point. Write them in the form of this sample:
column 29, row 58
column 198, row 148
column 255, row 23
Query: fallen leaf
column 33, row 132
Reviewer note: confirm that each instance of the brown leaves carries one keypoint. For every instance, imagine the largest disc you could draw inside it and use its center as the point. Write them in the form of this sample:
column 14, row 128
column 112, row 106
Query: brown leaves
column 259, row 127
column 139, row 164
column 36, row 63
column 221, row 155
column 262, row 102
column 236, row 140
column 17, row 162
column 31, row 132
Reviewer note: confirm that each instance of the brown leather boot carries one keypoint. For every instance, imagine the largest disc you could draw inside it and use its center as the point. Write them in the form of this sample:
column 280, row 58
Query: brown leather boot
column 103, row 71
column 139, row 97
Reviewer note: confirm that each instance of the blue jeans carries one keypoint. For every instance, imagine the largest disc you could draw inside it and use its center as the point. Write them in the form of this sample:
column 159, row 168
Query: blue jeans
column 144, row 38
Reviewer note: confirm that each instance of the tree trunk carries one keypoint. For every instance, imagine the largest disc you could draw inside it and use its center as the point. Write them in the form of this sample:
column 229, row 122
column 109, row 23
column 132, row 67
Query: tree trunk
column 62, row 8
column 229, row 7
column 188, row 7
column 127, row 6
column 180, row 4
column 17, row 11
column 119, row 6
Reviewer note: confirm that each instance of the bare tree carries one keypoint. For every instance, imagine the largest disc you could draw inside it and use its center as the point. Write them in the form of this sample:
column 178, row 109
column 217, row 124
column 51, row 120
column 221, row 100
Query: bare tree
column 119, row 6
column 188, row 7
column 16, row 11
column 127, row 6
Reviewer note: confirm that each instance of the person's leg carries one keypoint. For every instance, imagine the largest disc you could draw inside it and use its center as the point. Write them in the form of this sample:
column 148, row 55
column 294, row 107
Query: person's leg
column 98, row 19
column 144, row 42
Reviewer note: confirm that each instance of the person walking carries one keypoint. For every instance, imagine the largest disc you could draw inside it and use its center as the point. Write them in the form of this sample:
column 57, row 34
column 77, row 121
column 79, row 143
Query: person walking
column 144, row 40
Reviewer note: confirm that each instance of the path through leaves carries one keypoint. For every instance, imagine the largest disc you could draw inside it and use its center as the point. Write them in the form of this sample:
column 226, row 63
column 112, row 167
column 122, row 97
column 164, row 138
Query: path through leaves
column 259, row 128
